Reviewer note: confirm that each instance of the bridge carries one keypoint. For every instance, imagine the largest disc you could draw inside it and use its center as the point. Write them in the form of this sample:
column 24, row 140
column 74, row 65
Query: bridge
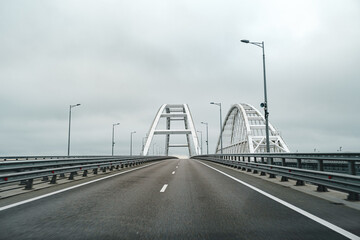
column 244, row 193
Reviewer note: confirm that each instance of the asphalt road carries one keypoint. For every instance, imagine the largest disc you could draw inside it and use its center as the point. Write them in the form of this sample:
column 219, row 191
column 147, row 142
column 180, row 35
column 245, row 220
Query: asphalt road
column 177, row 199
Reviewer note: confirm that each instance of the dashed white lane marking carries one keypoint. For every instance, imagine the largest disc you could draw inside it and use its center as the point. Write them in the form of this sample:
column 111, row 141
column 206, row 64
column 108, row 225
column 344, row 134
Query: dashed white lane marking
column 163, row 188
column 173, row 172
column 69, row 188
column 296, row 209
column 177, row 166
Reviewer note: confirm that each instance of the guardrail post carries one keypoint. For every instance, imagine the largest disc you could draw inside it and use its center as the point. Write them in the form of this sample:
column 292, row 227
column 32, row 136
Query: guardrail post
column 284, row 179
column 300, row 183
column 53, row 179
column 71, row 177
column 270, row 161
column 298, row 162
column 320, row 165
column 353, row 196
column 352, row 169
column 29, row 184
column 283, row 163
column 85, row 173
column 95, row 171
column 298, row 165
column 321, row 188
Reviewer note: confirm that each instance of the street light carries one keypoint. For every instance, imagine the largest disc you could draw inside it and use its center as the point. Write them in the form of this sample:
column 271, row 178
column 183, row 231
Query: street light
column 131, row 142
column 153, row 148
column 221, row 141
column 265, row 104
column 113, row 142
column 71, row 106
column 201, row 141
column 143, row 144
column 207, row 136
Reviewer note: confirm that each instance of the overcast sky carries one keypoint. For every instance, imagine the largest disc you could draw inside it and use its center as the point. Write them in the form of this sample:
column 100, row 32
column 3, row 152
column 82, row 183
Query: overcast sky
column 123, row 59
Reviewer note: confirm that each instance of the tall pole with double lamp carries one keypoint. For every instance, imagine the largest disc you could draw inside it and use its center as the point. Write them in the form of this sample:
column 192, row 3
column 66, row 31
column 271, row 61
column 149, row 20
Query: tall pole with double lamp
column 207, row 136
column 265, row 104
column 221, row 138
column 113, row 142
column 71, row 106
column 131, row 137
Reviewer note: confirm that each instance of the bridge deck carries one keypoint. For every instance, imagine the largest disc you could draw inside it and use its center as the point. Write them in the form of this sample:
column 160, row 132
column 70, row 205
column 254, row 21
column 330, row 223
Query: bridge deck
column 175, row 199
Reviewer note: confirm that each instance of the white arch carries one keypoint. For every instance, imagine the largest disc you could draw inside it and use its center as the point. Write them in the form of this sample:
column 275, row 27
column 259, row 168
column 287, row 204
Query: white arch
column 174, row 112
column 244, row 131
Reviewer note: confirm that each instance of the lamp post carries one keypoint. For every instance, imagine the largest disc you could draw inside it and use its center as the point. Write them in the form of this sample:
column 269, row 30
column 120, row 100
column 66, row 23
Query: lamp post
column 265, row 103
column 143, row 144
column 113, row 142
column 71, row 106
column 221, row 140
column 153, row 148
column 201, row 141
column 207, row 136
column 131, row 142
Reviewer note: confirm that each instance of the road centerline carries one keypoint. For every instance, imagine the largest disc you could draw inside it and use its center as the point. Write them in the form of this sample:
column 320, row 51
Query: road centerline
column 163, row 189
column 292, row 207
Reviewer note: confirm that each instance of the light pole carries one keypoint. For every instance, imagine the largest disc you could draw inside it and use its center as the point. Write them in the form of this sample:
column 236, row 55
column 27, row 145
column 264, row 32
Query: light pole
column 71, row 106
column 153, row 148
column 113, row 142
column 265, row 103
column 201, row 141
column 221, row 138
column 143, row 144
column 207, row 136
column 131, row 142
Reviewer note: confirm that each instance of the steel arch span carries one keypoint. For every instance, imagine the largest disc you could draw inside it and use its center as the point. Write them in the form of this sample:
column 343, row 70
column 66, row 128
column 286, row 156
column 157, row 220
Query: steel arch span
column 244, row 131
column 171, row 113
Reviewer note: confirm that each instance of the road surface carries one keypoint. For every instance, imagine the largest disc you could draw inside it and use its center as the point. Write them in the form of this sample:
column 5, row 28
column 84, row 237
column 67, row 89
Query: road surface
column 177, row 199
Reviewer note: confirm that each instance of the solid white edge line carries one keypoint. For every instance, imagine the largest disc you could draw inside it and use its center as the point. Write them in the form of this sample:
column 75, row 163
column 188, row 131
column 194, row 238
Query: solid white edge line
column 163, row 188
column 296, row 209
column 69, row 188
column 173, row 172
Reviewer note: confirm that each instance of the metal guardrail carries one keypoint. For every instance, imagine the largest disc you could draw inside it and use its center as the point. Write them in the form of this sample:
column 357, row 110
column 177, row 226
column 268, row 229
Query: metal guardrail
column 16, row 158
column 336, row 171
column 25, row 171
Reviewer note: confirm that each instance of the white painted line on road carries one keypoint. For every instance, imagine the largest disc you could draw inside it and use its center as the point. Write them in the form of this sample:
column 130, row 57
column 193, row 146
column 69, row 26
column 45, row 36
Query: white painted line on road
column 163, row 188
column 173, row 172
column 69, row 188
column 296, row 209
column 177, row 166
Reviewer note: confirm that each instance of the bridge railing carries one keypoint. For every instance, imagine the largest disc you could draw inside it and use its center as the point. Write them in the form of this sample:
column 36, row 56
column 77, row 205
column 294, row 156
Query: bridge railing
column 333, row 170
column 25, row 171
column 17, row 158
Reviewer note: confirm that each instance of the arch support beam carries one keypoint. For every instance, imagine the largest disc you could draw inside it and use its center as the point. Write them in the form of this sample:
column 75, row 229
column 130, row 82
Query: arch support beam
column 174, row 112
column 244, row 131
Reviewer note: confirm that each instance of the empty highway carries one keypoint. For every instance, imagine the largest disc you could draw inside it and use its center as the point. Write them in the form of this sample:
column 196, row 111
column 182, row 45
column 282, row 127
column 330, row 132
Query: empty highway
column 175, row 199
